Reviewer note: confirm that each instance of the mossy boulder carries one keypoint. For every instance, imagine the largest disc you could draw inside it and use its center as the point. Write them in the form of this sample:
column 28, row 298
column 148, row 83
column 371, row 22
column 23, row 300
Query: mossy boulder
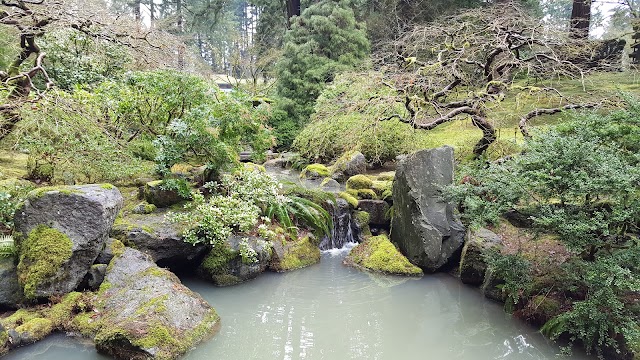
column 154, row 235
column 63, row 231
column 144, row 208
column 294, row 254
column 236, row 260
column 350, row 163
column 359, row 182
column 144, row 312
column 315, row 171
column 361, row 220
column 352, row 200
column 378, row 254
column 4, row 340
column 11, row 295
column 424, row 225
column 378, row 211
column 473, row 265
column 154, row 193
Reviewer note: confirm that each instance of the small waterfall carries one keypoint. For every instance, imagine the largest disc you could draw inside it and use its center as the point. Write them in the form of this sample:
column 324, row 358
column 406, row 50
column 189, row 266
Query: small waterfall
column 344, row 228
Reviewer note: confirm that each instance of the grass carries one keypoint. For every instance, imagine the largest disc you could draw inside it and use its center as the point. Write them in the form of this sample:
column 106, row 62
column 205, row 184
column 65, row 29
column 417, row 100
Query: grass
column 13, row 165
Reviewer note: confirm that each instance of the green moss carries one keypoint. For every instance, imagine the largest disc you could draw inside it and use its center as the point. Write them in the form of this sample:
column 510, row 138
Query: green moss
column 4, row 337
column 325, row 181
column 352, row 200
column 358, row 182
column 386, row 176
column 362, row 218
column 117, row 247
column 158, row 336
column 387, row 194
column 301, row 254
column 18, row 318
column 545, row 306
column 39, row 192
column 366, row 194
column 155, row 305
column 36, row 328
column 255, row 167
column 107, row 186
column 217, row 261
column 41, row 255
column 319, row 169
column 104, row 287
column 381, row 186
column 154, row 183
column 86, row 324
column 61, row 313
column 380, row 255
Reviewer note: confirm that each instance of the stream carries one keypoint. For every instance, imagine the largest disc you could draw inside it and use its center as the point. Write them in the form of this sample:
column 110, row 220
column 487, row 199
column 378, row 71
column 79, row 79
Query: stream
column 330, row 311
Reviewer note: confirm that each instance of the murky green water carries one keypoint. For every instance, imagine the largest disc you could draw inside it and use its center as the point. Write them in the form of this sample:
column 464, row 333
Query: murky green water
column 329, row 311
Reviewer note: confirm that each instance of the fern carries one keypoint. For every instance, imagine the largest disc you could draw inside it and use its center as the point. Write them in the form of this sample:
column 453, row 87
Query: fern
column 7, row 246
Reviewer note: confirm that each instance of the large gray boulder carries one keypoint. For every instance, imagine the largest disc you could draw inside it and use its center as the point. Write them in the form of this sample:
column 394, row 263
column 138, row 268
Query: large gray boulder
column 424, row 225
column 144, row 312
column 236, row 260
column 378, row 211
column 61, row 232
column 154, row 235
column 10, row 291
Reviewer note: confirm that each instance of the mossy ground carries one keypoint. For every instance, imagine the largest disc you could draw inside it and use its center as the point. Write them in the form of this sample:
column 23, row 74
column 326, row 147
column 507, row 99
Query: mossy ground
column 378, row 254
column 42, row 254
column 13, row 165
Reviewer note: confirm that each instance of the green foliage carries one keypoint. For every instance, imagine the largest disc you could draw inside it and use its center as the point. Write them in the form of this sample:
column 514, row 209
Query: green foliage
column 7, row 246
column 247, row 253
column 73, row 58
column 180, row 186
column 515, row 272
column 347, row 117
column 68, row 142
column 324, row 40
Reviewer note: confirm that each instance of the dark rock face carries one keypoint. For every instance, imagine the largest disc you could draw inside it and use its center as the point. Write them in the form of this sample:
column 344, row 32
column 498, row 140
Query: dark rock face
column 473, row 265
column 378, row 211
column 146, row 313
column 84, row 214
column 10, row 291
column 424, row 225
column 106, row 254
column 356, row 164
column 154, row 235
column 239, row 259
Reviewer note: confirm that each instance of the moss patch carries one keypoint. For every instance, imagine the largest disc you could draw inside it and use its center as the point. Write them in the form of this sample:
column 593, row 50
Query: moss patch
column 358, row 182
column 40, row 192
column 362, row 218
column 18, row 318
column 107, row 186
column 41, row 255
column 300, row 254
column 311, row 170
column 217, row 261
column 35, row 329
column 352, row 200
column 61, row 314
column 380, row 255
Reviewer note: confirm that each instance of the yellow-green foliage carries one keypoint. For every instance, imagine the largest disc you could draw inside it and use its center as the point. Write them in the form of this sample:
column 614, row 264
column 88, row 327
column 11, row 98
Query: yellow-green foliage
column 381, row 186
column 363, row 194
column 107, row 186
column 301, row 254
column 341, row 163
column 18, row 318
column 319, row 169
column 379, row 254
column 39, row 192
column 117, row 247
column 36, row 328
column 41, row 255
column 358, row 182
column 352, row 200
column 386, row 176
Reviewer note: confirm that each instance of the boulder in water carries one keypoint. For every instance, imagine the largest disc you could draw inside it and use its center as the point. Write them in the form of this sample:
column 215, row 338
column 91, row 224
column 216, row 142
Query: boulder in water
column 63, row 230
column 236, row 260
column 10, row 291
column 424, row 225
column 295, row 254
column 350, row 163
column 473, row 265
column 378, row 254
column 146, row 313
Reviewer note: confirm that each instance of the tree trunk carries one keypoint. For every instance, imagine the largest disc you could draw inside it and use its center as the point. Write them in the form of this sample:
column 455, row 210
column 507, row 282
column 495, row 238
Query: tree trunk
column 180, row 25
column 580, row 19
column 488, row 135
column 293, row 9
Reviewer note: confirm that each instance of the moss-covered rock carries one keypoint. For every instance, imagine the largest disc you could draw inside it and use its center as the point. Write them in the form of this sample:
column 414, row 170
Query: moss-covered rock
column 315, row 171
column 63, row 231
column 10, row 291
column 236, row 260
column 146, row 313
column 359, row 182
column 292, row 255
column 363, row 194
column 361, row 219
column 4, row 340
column 541, row 309
column 378, row 254
column 352, row 200
column 473, row 265
column 42, row 255
column 144, row 208
column 378, row 211
column 34, row 330
column 350, row 163
column 155, row 193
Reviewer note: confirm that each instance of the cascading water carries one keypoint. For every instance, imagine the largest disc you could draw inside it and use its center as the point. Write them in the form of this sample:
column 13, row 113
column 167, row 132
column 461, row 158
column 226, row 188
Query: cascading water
column 344, row 229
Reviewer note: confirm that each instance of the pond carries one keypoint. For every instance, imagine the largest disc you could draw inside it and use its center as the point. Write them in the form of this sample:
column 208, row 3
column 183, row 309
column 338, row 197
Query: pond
column 329, row 311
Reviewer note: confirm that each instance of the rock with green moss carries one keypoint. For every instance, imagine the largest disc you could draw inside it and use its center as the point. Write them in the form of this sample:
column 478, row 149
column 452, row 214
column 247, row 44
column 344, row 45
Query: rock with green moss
column 4, row 340
column 33, row 330
column 144, row 312
column 473, row 265
column 63, row 231
column 329, row 184
column 352, row 200
column 144, row 208
column 238, row 259
column 378, row 211
column 378, row 254
column 155, row 193
column 294, row 254
column 359, row 182
column 350, row 163
column 154, row 235
column 315, row 171
column 361, row 220
column 11, row 295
